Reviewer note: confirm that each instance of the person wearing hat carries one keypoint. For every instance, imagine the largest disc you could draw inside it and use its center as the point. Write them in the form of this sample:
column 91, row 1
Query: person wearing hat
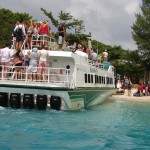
column 61, row 32
column 33, row 64
column 105, row 55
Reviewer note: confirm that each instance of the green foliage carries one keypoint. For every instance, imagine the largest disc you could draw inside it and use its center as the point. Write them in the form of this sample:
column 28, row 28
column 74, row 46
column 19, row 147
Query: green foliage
column 8, row 19
column 78, row 38
column 141, row 33
column 71, row 23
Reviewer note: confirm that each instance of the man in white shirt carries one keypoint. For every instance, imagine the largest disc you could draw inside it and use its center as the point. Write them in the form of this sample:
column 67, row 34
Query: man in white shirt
column 6, row 54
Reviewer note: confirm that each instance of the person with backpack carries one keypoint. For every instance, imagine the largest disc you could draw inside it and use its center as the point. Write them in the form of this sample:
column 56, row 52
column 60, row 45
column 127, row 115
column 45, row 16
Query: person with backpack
column 19, row 33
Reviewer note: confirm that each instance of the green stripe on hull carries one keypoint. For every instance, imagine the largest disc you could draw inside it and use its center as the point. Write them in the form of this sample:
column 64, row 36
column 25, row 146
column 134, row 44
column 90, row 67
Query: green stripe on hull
column 90, row 97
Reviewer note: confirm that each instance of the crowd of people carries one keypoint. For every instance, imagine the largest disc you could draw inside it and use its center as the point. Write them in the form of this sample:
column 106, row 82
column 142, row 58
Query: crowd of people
column 34, row 34
column 34, row 63
column 23, row 33
column 143, row 89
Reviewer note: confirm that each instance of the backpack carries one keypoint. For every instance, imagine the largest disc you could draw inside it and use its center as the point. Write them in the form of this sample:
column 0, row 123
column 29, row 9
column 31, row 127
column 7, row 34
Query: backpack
column 19, row 31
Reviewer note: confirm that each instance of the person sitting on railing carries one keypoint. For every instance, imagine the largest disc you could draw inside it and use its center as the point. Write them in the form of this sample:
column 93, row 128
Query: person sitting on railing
column 6, row 54
column 18, row 60
column 32, row 69
column 43, row 59
column 44, row 31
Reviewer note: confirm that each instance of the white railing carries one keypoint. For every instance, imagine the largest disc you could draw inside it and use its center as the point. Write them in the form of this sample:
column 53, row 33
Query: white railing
column 37, row 41
column 22, row 74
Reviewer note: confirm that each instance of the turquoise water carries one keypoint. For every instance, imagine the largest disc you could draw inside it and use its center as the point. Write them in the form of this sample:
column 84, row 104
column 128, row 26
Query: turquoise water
column 114, row 125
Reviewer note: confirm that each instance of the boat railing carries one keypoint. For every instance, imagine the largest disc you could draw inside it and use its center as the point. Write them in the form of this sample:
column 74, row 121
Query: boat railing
column 96, row 64
column 16, row 74
column 37, row 41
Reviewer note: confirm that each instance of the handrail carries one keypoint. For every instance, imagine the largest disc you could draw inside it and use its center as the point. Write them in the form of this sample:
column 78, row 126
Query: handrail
column 51, row 76
column 43, row 39
column 50, row 42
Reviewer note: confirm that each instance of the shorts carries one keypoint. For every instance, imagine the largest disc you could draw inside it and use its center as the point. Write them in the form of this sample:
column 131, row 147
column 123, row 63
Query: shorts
column 19, row 64
column 32, row 68
column 5, row 64
column 43, row 36
column 42, row 65
column 19, row 39
column 61, row 40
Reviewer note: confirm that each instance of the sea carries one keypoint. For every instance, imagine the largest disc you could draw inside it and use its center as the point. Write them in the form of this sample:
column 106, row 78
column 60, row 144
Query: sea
column 113, row 125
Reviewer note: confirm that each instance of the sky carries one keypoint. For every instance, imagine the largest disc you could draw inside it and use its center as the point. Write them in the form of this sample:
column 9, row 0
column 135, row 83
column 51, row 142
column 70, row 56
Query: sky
column 109, row 21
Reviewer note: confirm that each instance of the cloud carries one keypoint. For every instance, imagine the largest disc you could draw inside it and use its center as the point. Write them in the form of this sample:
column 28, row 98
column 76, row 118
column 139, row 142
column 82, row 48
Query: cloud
column 109, row 21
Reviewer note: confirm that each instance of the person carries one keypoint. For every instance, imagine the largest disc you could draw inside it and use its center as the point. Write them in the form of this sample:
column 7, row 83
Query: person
column 140, row 90
column 36, row 27
column 32, row 69
column 94, row 57
column 43, row 59
column 126, row 82
column 105, row 55
column 44, row 31
column 71, row 47
column 18, row 60
column 6, row 54
column 19, row 33
column 129, row 89
column 61, row 32
column 29, row 35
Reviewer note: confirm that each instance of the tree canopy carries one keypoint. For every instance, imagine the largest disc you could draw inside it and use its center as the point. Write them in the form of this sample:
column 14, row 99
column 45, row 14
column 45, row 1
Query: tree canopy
column 8, row 19
column 141, row 33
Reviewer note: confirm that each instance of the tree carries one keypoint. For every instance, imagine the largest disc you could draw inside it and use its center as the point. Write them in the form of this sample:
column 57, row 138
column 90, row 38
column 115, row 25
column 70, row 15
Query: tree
column 141, row 34
column 8, row 19
column 71, row 23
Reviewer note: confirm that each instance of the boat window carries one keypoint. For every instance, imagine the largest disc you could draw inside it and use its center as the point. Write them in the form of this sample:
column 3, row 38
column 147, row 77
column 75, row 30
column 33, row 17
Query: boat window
column 89, row 81
column 107, row 79
column 104, row 80
column 100, row 80
column 85, row 77
column 95, row 78
column 91, row 78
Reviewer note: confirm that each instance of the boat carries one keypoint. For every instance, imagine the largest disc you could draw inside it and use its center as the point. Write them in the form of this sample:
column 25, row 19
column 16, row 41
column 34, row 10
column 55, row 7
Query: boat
column 73, row 82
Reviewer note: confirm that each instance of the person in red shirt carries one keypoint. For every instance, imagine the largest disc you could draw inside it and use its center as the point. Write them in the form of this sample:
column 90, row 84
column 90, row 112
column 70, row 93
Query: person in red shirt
column 140, row 89
column 44, row 30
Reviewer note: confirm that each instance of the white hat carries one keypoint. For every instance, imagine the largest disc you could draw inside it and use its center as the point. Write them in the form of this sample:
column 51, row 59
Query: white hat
column 40, row 22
